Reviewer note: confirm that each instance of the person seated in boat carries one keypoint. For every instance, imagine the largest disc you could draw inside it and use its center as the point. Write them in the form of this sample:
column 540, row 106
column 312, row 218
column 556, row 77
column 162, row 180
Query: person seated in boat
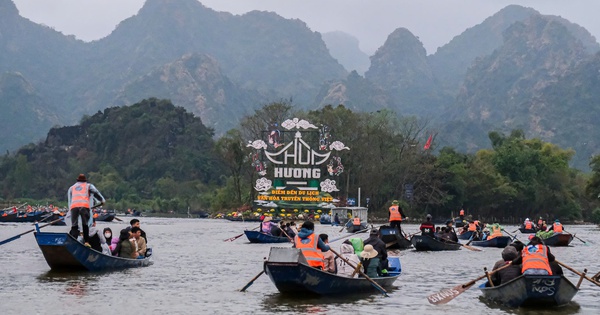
column 447, row 235
column 97, row 240
column 370, row 262
column 336, row 220
column 328, row 256
column 347, row 252
column 353, row 222
column 311, row 245
column 379, row 246
column 140, row 242
column 294, row 227
column 495, row 231
column 136, row 223
column 288, row 229
column 540, row 222
column 535, row 258
column 528, row 225
column 438, row 231
column 451, row 231
column 556, row 227
column 509, row 253
column 107, row 232
column 125, row 247
column 267, row 225
column 427, row 227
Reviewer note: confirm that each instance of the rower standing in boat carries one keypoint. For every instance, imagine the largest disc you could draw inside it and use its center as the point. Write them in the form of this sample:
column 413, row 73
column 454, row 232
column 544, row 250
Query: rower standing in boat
column 396, row 215
column 427, row 227
column 80, row 204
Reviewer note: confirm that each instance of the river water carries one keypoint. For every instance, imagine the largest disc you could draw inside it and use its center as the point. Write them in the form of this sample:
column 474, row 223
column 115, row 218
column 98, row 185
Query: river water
column 195, row 272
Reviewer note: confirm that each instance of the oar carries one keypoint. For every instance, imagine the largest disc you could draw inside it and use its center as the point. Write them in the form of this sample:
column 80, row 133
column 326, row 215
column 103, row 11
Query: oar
column 19, row 235
column 231, row 239
column 577, row 237
column 346, row 236
column 251, row 282
column 375, row 284
column 463, row 245
column 579, row 273
column 447, row 295
column 411, row 235
column 513, row 236
column 289, row 238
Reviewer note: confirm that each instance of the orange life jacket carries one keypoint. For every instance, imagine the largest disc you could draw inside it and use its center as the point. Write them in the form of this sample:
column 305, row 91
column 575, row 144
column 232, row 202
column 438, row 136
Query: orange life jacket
column 80, row 196
column 4, row 214
column 496, row 231
column 528, row 225
column 540, row 222
column 395, row 214
column 536, row 258
column 95, row 215
column 310, row 251
column 462, row 212
column 356, row 221
column 557, row 227
column 472, row 227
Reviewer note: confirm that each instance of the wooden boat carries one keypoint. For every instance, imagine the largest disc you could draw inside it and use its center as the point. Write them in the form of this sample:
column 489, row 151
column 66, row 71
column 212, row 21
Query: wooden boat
column 24, row 217
column 527, row 231
column 288, row 270
column 500, row 242
column 105, row 217
column 239, row 219
column 559, row 239
column 391, row 236
column 356, row 228
column 459, row 223
column 63, row 252
column 260, row 237
column 465, row 236
column 537, row 291
column 427, row 243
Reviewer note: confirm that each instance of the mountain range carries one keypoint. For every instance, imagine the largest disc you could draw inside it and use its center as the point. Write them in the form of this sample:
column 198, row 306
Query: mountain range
column 517, row 69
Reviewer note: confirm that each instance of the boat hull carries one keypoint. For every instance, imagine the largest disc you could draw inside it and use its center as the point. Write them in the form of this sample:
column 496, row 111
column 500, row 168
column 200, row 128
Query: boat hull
column 499, row 242
column 426, row 243
column 465, row 236
column 391, row 236
column 32, row 217
column 527, row 231
column 534, row 291
column 63, row 252
column 291, row 274
column 105, row 217
column 356, row 228
column 556, row 240
column 258, row 237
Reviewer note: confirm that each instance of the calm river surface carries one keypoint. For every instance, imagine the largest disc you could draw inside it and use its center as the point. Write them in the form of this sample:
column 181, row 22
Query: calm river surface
column 195, row 272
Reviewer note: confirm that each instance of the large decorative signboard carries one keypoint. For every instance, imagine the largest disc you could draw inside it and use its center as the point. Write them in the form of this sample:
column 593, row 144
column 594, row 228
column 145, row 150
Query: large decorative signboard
column 298, row 166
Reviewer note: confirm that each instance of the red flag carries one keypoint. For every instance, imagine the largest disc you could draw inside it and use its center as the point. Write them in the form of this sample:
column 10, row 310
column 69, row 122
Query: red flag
column 428, row 143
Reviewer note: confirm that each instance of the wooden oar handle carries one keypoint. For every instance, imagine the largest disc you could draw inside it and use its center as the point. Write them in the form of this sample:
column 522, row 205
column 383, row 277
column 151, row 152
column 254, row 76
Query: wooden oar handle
column 579, row 273
column 472, row 282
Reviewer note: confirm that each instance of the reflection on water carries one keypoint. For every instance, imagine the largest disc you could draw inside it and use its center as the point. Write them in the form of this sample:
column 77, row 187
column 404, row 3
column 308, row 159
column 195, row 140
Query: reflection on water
column 571, row 308
column 195, row 272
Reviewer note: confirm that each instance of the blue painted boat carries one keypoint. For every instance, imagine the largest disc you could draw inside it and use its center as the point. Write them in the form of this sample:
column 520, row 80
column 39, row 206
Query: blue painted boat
column 288, row 270
column 393, row 239
column 260, row 237
column 325, row 219
column 427, row 243
column 63, row 252
column 500, row 242
column 559, row 239
column 465, row 236
column 536, row 291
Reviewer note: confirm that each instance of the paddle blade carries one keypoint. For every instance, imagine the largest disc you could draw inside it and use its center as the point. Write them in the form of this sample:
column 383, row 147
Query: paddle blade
column 446, row 295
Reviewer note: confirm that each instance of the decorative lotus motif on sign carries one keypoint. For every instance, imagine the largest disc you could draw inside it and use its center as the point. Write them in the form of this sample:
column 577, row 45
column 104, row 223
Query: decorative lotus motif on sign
column 263, row 184
column 328, row 185
column 338, row 145
column 297, row 123
column 257, row 144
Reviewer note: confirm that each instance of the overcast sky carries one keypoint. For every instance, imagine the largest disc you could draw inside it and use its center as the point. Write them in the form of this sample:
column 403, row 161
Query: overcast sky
column 435, row 22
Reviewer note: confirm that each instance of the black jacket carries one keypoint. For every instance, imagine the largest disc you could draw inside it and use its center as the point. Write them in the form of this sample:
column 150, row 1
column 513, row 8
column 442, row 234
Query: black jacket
column 378, row 245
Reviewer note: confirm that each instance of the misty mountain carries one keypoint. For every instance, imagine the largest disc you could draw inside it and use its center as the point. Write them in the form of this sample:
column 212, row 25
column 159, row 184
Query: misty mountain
column 196, row 83
column 24, row 114
column 345, row 48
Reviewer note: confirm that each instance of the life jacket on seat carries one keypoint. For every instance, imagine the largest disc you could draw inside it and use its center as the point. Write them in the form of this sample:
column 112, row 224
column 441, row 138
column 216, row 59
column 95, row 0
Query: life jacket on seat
column 310, row 251
column 535, row 257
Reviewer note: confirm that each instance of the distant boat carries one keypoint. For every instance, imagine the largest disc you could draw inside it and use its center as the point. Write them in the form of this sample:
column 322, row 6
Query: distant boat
column 260, row 237
column 63, row 252
column 390, row 236
column 527, row 231
column 465, row 236
column 427, row 243
column 533, row 291
column 24, row 217
column 288, row 270
column 559, row 239
column 500, row 242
